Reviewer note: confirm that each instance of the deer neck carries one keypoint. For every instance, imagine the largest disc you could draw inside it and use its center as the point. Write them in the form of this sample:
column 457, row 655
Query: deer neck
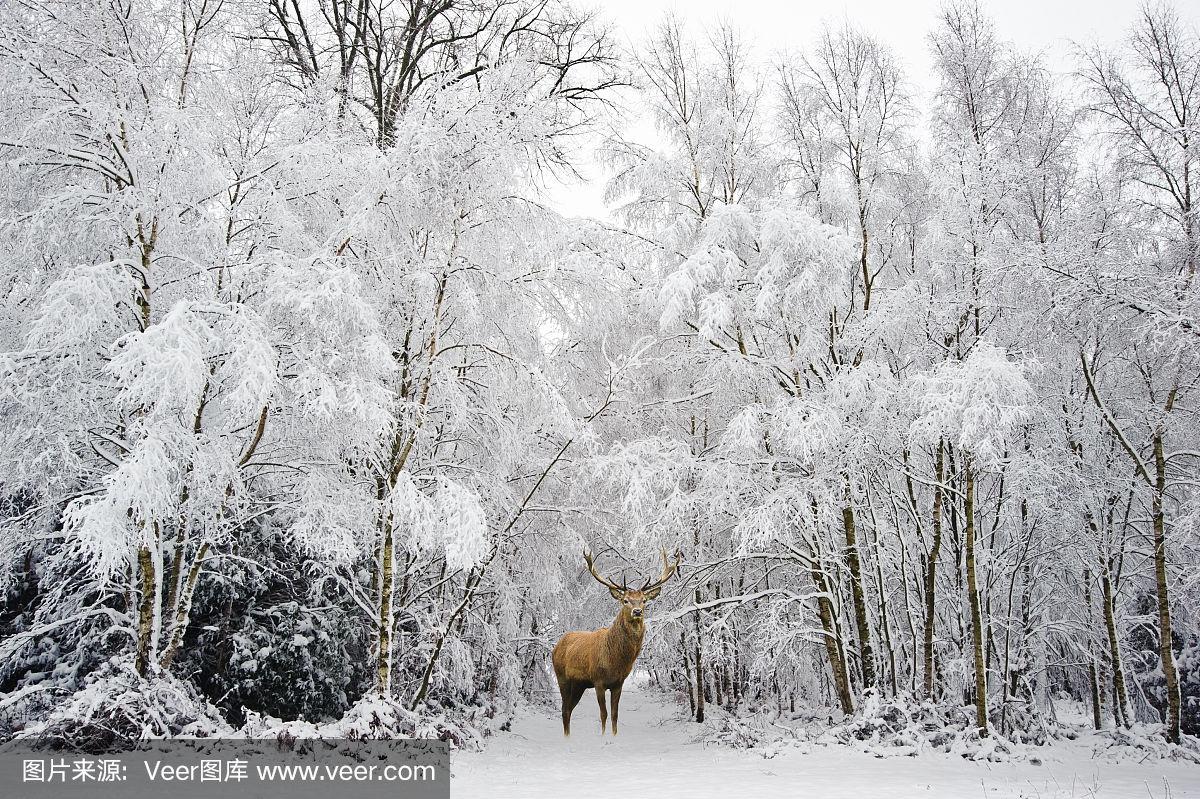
column 625, row 635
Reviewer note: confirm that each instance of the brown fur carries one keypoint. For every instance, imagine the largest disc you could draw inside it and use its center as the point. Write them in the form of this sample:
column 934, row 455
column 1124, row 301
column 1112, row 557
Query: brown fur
column 601, row 659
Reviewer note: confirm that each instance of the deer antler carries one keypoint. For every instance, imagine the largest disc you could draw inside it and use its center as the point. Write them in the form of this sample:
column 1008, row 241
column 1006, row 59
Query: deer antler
column 669, row 569
column 587, row 556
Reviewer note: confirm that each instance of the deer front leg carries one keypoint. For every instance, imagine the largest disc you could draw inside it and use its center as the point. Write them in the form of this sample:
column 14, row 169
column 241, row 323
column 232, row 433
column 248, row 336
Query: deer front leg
column 603, row 708
column 616, row 701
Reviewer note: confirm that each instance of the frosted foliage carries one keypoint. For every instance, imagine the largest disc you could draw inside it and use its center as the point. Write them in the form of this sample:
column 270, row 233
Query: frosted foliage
column 761, row 524
column 801, row 268
column 459, row 663
column 508, row 680
column 744, row 433
column 450, row 520
column 249, row 369
column 676, row 296
column 163, row 369
column 462, row 523
column 755, row 263
column 411, row 509
column 644, row 469
column 332, row 516
column 131, row 500
column 340, row 354
column 978, row 402
column 81, row 310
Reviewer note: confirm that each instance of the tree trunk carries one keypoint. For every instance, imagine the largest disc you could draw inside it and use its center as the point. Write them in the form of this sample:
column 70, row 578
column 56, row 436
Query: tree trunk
column 866, row 656
column 1122, row 713
column 833, row 647
column 981, row 710
column 931, row 570
column 687, row 670
column 910, row 661
column 699, row 666
column 885, row 615
column 183, row 610
column 1165, row 650
column 1093, row 678
column 383, row 665
column 147, row 610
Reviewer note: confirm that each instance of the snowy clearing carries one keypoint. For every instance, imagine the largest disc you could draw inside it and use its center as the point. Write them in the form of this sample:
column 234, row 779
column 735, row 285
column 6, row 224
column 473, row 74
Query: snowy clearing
column 656, row 754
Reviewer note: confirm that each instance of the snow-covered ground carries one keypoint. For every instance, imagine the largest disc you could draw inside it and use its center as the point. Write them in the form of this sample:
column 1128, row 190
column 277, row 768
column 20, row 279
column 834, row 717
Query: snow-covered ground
column 656, row 755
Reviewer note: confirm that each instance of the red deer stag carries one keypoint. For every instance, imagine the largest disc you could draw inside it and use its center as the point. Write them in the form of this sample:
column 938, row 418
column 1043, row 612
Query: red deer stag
column 603, row 658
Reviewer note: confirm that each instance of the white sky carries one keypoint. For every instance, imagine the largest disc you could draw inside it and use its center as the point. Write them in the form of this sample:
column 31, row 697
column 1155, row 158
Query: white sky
column 1035, row 26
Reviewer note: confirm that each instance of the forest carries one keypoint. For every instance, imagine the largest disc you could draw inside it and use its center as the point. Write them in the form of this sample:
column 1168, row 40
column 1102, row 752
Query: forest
column 311, row 401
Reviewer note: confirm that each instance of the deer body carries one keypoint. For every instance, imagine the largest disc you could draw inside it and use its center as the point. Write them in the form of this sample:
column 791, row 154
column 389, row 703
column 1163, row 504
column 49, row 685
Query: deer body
column 602, row 659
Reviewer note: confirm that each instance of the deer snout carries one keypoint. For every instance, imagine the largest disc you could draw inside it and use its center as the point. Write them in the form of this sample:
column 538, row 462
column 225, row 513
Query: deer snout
column 637, row 613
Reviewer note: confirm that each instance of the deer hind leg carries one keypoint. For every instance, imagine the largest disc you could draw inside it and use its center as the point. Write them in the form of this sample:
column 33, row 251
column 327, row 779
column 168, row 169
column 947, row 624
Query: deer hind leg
column 603, row 707
column 616, row 701
column 571, row 694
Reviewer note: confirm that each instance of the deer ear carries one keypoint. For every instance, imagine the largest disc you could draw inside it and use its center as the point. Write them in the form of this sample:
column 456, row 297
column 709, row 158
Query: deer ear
column 653, row 593
column 616, row 594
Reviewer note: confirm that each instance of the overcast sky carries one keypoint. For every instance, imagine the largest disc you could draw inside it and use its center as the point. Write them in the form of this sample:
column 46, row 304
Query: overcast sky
column 1035, row 26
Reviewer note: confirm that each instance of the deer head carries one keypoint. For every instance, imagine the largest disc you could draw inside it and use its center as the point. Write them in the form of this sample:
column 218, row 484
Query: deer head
column 634, row 600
